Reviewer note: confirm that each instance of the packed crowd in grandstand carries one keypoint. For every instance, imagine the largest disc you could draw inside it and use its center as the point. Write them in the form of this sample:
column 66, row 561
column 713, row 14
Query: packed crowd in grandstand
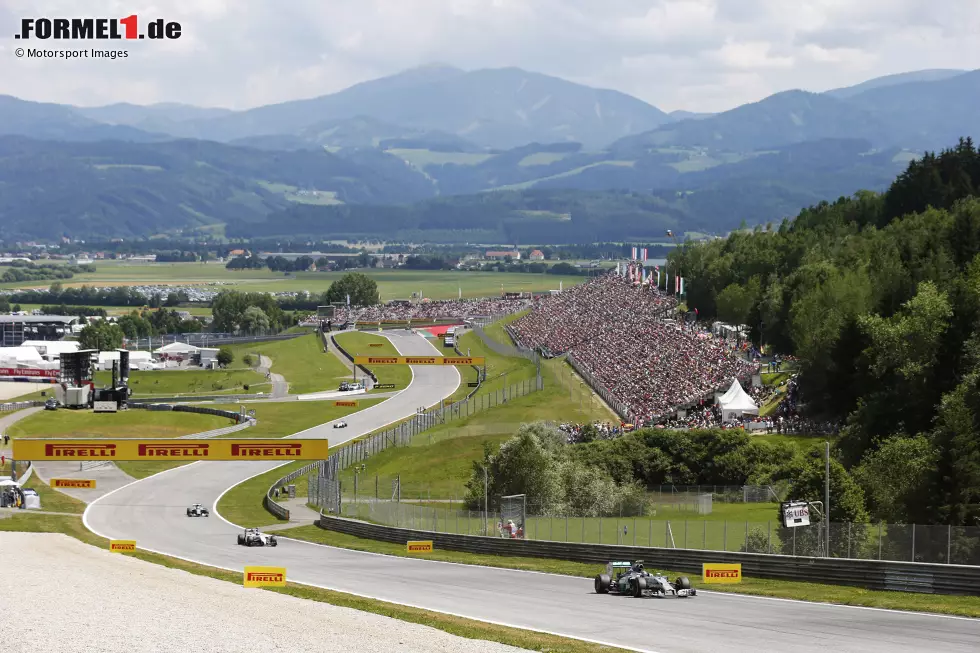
column 431, row 310
column 616, row 330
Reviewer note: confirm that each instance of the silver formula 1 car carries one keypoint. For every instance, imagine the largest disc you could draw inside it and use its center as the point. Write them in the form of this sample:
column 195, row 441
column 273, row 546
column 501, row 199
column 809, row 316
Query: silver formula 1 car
column 634, row 580
column 252, row 537
column 197, row 510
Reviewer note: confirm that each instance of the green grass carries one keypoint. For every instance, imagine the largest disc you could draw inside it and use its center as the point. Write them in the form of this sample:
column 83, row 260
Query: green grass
column 167, row 383
column 53, row 500
column 392, row 284
column 124, row 424
column 359, row 344
column 301, row 361
column 467, row 628
column 968, row 606
column 243, row 505
column 281, row 418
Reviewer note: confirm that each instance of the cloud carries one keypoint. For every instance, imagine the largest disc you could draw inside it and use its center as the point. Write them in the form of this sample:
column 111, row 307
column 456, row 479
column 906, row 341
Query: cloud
column 700, row 55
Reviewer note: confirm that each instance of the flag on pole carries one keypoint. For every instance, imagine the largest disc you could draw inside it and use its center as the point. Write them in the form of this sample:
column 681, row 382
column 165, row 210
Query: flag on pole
column 348, row 300
column 559, row 286
column 682, row 286
column 634, row 254
column 617, row 267
column 643, row 254
column 677, row 284
column 460, row 292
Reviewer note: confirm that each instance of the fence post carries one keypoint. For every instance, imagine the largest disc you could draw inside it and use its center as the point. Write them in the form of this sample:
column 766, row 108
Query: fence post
column 769, row 540
column 746, row 537
column 724, row 542
column 949, row 542
column 704, row 535
column 879, row 540
column 913, row 542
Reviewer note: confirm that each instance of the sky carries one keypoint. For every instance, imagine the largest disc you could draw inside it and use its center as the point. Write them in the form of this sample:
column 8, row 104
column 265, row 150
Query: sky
column 697, row 55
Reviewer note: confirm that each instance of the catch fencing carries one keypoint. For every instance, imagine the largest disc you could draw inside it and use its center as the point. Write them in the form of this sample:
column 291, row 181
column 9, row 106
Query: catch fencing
column 600, row 389
column 349, row 357
column 661, row 520
column 921, row 577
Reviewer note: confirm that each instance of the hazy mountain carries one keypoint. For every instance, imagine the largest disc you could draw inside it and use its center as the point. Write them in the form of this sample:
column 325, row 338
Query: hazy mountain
column 48, row 121
column 498, row 108
column 926, row 114
column 932, row 75
column 680, row 114
column 167, row 117
column 780, row 119
column 114, row 188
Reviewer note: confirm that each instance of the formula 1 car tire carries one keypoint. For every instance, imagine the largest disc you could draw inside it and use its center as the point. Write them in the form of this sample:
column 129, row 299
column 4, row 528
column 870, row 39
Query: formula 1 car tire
column 638, row 585
column 682, row 583
column 241, row 540
column 602, row 582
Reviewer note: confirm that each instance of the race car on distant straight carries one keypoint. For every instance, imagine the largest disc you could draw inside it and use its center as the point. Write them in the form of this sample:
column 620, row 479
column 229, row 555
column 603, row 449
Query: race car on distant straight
column 340, row 425
column 252, row 537
column 197, row 510
column 632, row 579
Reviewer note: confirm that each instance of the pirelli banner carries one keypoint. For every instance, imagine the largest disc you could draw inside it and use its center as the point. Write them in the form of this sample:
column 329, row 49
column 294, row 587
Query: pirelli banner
column 73, row 484
column 138, row 449
column 419, row 360
column 264, row 577
column 717, row 572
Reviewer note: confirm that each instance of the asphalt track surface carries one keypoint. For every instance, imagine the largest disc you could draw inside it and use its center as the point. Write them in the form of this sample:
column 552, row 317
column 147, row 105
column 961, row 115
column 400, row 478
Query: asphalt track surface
column 151, row 511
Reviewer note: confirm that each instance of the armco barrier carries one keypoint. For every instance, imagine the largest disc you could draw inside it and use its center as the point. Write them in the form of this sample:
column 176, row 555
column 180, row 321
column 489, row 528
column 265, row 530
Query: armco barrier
column 275, row 508
column 871, row 574
column 351, row 359
column 179, row 408
column 17, row 405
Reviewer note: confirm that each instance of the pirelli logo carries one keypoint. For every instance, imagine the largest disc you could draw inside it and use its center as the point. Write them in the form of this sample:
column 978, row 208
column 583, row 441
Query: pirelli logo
column 721, row 572
column 175, row 450
column 80, row 451
column 36, row 449
column 72, row 484
column 419, row 360
column 345, row 403
column 421, row 546
column 377, row 344
column 264, row 450
column 264, row 577
column 122, row 546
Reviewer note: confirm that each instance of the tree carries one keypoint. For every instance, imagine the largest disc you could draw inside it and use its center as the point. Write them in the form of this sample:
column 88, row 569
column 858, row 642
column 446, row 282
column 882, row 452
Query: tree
column 362, row 289
column 225, row 356
column 101, row 335
column 254, row 320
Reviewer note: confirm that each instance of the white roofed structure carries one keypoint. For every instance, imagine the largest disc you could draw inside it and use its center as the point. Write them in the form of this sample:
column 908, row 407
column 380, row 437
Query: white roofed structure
column 735, row 403
column 177, row 348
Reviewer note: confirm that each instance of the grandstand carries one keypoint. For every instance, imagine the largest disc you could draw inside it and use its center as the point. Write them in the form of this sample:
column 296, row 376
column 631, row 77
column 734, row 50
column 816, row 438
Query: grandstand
column 15, row 329
column 618, row 332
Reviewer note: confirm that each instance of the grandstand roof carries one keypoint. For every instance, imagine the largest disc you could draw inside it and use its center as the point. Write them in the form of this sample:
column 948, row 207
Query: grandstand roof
column 38, row 319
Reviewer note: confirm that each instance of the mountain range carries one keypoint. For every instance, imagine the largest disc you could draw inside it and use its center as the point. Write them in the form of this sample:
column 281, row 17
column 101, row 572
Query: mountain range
column 440, row 132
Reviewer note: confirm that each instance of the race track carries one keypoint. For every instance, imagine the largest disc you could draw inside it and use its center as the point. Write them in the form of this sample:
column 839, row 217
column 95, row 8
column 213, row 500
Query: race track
column 151, row 511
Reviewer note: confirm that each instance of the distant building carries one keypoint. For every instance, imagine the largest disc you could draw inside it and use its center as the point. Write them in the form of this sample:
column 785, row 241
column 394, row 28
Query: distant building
column 500, row 256
column 537, row 255
column 238, row 252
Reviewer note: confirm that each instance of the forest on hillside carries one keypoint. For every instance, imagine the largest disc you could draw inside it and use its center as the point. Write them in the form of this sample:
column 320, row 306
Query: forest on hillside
column 879, row 296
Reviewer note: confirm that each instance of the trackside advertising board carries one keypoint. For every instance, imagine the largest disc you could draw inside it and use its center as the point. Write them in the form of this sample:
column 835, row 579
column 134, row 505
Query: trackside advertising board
column 66, row 449
column 421, row 546
column 264, row 577
column 419, row 360
column 345, row 403
column 718, row 572
column 122, row 546
column 73, row 484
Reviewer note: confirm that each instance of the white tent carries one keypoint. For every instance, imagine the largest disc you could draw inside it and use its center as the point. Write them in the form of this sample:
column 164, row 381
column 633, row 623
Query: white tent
column 736, row 403
column 14, row 356
column 731, row 393
column 177, row 348
column 52, row 348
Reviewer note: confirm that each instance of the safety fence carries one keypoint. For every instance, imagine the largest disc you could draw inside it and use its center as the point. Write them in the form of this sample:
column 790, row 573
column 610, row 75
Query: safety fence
column 476, row 368
column 671, row 525
column 278, row 509
column 504, row 349
column 922, row 577
column 17, row 405
column 600, row 389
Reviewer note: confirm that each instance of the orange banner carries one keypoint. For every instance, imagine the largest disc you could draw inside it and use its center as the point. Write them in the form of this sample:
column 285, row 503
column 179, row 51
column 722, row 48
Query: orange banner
column 72, row 484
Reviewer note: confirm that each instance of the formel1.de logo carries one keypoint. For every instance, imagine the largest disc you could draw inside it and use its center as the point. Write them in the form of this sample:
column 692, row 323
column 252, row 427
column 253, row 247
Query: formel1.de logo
column 80, row 29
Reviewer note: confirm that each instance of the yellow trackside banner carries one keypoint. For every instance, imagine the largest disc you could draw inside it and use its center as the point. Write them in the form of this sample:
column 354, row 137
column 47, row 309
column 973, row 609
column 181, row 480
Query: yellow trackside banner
column 73, row 484
column 377, row 344
column 419, row 360
column 264, row 577
column 122, row 546
column 345, row 403
column 717, row 572
column 71, row 449
column 424, row 546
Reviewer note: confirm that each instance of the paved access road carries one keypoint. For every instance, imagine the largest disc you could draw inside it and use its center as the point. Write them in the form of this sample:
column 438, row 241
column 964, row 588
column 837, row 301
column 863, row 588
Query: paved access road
column 151, row 511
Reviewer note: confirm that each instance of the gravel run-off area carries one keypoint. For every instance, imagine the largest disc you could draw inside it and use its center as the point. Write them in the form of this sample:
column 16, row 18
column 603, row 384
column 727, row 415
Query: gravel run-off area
column 64, row 595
